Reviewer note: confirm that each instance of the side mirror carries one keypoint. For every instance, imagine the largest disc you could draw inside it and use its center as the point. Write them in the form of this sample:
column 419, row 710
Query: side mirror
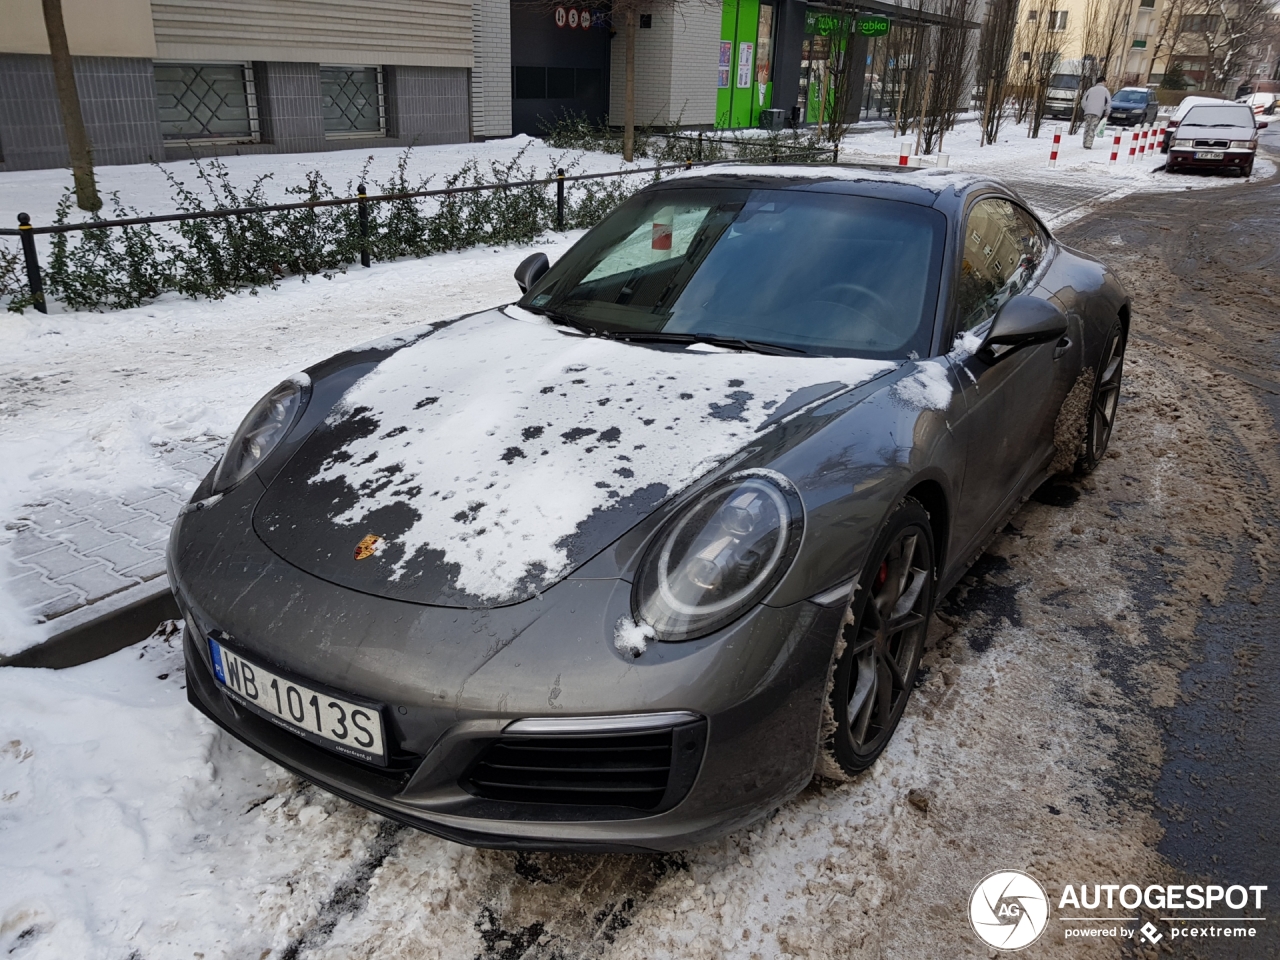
column 1263, row 125
column 531, row 270
column 1022, row 321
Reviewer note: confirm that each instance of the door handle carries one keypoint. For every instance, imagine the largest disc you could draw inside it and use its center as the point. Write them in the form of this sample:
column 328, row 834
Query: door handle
column 1063, row 346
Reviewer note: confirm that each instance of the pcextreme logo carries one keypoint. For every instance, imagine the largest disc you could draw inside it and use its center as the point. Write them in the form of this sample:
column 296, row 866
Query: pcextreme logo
column 1009, row 910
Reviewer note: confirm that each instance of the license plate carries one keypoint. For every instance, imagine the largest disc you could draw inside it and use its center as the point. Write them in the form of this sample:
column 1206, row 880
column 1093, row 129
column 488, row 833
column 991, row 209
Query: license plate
column 354, row 729
column 1208, row 155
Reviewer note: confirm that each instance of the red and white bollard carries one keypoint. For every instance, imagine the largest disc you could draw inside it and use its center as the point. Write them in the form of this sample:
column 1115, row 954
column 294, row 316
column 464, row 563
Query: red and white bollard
column 905, row 153
column 1144, row 132
column 1057, row 142
column 1160, row 132
column 1133, row 146
column 1115, row 151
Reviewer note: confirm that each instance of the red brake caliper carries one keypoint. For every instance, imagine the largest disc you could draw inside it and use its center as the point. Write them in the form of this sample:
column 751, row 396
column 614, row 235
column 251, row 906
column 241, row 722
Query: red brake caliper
column 883, row 575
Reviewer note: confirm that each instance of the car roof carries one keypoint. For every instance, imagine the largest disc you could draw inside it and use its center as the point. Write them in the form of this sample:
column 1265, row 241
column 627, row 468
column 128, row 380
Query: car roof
column 1190, row 102
column 1133, row 90
column 943, row 189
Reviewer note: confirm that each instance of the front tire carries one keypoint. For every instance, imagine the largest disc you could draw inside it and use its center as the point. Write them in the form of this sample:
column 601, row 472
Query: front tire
column 1104, row 403
column 878, row 648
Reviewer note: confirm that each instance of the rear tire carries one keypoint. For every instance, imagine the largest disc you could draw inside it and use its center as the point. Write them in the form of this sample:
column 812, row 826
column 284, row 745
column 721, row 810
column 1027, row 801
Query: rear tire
column 878, row 648
column 1104, row 402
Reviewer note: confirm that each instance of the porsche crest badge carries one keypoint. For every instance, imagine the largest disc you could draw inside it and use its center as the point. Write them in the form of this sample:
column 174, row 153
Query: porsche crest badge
column 366, row 548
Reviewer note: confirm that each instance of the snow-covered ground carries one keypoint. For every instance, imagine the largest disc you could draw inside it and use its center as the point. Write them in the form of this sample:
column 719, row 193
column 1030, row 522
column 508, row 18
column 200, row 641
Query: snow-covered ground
column 1018, row 157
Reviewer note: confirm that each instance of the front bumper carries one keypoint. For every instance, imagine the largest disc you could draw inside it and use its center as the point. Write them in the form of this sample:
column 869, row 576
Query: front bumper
column 1183, row 158
column 452, row 680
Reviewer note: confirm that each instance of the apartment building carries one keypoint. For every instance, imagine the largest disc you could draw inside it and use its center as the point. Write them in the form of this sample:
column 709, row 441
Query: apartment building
column 170, row 79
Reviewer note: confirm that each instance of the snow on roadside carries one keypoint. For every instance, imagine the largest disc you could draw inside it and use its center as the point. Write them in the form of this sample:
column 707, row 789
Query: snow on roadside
column 130, row 823
column 1015, row 156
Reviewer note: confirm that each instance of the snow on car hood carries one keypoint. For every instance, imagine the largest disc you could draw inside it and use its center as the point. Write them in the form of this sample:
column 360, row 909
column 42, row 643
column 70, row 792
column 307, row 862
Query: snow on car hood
column 494, row 455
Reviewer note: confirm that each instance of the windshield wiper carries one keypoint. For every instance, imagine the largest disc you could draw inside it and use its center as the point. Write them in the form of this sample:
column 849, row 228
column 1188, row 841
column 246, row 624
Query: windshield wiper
column 564, row 320
column 737, row 343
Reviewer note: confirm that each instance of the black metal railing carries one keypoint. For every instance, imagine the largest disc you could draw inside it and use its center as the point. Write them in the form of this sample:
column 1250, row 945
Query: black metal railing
column 27, row 232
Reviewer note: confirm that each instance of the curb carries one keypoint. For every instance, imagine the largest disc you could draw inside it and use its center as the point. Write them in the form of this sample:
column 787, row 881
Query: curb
column 102, row 628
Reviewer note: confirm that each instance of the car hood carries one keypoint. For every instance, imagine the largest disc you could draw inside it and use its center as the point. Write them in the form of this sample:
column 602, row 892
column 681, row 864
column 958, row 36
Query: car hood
column 481, row 463
column 1191, row 131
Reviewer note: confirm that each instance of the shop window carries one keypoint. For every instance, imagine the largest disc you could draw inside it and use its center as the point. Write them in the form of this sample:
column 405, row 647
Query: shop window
column 351, row 102
column 211, row 102
column 589, row 83
column 531, row 83
column 559, row 83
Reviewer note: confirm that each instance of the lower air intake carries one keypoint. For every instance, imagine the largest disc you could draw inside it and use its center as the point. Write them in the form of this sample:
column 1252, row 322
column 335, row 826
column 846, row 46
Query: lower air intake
column 649, row 770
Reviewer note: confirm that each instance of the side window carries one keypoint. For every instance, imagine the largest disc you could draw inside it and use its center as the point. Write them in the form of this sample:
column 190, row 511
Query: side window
column 1003, row 246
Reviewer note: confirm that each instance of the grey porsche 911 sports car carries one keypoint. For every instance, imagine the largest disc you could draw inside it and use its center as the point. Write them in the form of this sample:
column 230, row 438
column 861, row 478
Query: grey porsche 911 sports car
column 621, row 566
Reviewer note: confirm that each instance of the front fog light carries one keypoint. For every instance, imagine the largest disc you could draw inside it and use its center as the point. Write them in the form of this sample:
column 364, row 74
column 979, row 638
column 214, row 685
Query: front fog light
column 720, row 555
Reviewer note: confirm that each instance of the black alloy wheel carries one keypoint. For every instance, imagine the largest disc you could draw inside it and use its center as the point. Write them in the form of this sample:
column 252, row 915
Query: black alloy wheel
column 1105, row 401
column 884, row 632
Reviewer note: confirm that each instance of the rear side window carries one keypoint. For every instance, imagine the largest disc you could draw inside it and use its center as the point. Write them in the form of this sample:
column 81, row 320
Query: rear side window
column 1003, row 248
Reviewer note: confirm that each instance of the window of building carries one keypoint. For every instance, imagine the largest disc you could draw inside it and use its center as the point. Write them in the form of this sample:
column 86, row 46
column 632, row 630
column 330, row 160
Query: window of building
column 352, row 102
column 211, row 102
column 1026, row 56
column 1146, row 4
column 1200, row 23
column 1033, row 16
column 1057, row 21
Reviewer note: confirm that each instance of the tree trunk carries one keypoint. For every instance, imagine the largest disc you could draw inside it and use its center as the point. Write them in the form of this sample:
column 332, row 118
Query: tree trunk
column 69, row 103
column 629, row 92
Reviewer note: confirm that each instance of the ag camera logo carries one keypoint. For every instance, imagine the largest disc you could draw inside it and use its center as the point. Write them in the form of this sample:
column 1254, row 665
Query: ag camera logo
column 1009, row 910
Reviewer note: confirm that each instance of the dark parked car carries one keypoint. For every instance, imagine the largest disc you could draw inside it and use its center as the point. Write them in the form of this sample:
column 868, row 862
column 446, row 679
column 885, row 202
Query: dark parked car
column 621, row 566
column 1132, row 106
column 1219, row 136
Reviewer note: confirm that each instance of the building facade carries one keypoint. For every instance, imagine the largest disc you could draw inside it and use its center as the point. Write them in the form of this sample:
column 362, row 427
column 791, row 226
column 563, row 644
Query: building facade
column 172, row 79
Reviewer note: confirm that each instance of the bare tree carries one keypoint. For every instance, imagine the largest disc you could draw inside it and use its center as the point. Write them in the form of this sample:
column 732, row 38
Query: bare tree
column 1169, row 33
column 995, row 47
column 951, row 61
column 69, row 104
column 1040, row 51
column 1241, row 25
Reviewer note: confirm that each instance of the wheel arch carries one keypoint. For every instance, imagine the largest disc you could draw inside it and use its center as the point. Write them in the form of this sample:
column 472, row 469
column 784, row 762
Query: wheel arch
column 933, row 498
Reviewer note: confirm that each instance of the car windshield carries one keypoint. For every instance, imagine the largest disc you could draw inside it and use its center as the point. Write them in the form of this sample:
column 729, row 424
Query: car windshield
column 1065, row 81
column 803, row 271
column 1227, row 115
column 1130, row 96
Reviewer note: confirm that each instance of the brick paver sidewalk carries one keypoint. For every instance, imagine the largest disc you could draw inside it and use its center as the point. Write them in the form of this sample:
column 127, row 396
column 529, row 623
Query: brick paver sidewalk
column 73, row 549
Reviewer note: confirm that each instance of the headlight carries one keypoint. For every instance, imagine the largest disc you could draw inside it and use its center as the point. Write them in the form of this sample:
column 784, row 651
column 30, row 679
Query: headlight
column 1244, row 145
column 719, row 555
column 262, row 430
column 1184, row 143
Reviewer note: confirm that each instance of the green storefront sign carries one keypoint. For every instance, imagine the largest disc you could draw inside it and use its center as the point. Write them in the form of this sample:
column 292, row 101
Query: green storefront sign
column 873, row 26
